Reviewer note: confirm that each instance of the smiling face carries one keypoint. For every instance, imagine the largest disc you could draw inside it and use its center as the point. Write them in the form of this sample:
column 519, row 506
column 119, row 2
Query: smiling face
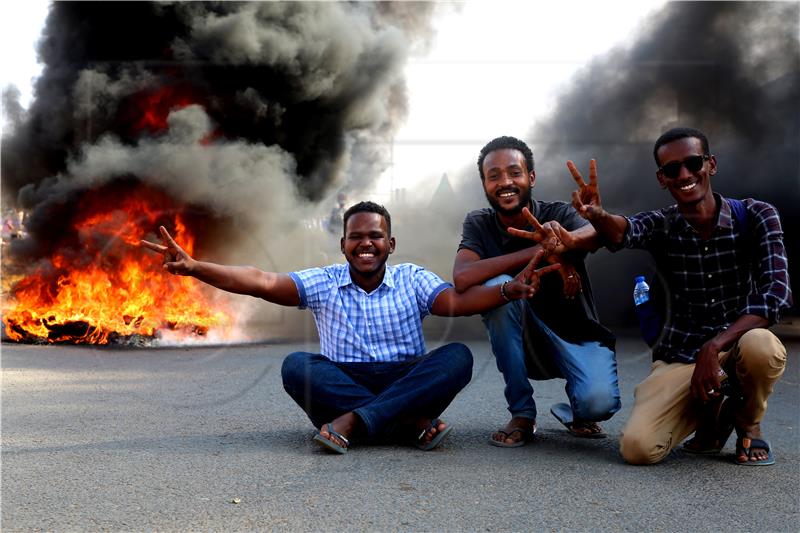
column 507, row 182
column 687, row 187
column 366, row 245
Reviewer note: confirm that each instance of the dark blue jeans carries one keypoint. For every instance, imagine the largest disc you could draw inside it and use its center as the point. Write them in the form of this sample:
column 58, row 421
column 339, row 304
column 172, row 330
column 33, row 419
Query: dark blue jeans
column 383, row 395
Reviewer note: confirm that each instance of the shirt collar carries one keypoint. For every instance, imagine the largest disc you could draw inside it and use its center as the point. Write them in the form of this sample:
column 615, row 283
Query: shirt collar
column 345, row 279
column 724, row 218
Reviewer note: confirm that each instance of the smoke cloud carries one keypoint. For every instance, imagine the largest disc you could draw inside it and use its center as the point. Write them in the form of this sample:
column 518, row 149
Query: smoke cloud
column 250, row 109
column 247, row 113
column 730, row 69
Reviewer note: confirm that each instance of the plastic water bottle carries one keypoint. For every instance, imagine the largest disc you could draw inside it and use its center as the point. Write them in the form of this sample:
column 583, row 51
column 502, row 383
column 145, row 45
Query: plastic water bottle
column 641, row 291
column 650, row 321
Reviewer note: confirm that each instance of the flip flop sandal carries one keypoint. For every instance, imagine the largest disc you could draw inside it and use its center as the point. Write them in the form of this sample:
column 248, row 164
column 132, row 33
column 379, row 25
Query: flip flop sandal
column 435, row 441
column 563, row 413
column 331, row 446
column 746, row 445
column 527, row 436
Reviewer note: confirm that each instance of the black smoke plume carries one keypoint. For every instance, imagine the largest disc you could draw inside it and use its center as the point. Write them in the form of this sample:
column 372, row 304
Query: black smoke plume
column 730, row 69
column 291, row 99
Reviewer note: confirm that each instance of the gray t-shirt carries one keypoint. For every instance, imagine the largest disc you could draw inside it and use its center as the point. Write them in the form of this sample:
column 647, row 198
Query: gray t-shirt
column 572, row 320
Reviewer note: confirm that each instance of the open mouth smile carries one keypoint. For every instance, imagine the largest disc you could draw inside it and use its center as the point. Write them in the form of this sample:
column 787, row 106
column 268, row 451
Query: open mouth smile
column 507, row 194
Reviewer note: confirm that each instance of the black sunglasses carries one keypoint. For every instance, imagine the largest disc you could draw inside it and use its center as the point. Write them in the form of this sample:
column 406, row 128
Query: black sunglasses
column 693, row 163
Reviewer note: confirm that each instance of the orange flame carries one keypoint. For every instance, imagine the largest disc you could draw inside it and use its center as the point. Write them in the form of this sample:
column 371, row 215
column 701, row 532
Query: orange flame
column 101, row 284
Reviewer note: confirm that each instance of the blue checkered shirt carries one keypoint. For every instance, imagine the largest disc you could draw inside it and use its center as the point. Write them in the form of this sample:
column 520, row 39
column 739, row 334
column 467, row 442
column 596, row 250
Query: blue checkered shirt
column 714, row 282
column 356, row 326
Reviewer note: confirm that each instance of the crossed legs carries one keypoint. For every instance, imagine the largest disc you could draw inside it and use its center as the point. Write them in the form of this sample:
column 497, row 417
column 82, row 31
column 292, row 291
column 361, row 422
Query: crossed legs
column 376, row 399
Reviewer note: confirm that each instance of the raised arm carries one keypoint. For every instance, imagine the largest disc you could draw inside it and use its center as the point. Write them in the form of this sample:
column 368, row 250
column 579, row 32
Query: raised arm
column 273, row 287
column 586, row 201
column 480, row 298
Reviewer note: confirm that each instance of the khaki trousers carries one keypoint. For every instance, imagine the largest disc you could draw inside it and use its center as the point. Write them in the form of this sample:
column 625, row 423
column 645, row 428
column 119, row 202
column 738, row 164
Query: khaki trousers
column 664, row 413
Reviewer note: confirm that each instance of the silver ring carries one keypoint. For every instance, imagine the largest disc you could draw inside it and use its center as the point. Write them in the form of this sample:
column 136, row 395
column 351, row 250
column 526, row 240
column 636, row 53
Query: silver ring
column 570, row 276
column 710, row 391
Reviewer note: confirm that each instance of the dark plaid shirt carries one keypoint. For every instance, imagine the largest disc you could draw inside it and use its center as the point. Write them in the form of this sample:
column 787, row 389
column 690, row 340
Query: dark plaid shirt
column 713, row 282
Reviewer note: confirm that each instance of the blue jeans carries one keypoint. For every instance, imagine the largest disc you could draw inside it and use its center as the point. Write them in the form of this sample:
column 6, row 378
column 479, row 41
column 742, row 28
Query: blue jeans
column 383, row 394
column 589, row 367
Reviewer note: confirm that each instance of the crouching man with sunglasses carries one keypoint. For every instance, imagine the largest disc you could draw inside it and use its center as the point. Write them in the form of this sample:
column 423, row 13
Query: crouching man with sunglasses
column 725, row 263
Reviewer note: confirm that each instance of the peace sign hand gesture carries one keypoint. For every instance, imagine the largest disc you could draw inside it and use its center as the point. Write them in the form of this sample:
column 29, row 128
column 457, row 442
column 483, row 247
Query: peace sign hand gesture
column 527, row 282
column 552, row 236
column 586, row 200
column 176, row 260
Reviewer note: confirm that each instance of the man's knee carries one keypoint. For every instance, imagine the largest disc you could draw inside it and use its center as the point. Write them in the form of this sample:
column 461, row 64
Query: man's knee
column 295, row 369
column 641, row 449
column 761, row 347
column 502, row 278
column 459, row 359
column 511, row 311
column 599, row 403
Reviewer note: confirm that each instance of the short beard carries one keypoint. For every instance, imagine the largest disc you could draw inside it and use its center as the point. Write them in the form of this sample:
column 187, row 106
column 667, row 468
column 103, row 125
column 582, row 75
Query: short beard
column 525, row 201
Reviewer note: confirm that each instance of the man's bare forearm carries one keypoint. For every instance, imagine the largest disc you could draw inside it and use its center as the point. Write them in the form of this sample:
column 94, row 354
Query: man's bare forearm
column 610, row 228
column 585, row 238
column 467, row 274
column 472, row 301
column 273, row 287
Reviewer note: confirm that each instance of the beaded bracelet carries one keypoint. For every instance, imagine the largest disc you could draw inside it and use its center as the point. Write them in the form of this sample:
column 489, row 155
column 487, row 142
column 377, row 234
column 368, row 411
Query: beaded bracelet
column 503, row 291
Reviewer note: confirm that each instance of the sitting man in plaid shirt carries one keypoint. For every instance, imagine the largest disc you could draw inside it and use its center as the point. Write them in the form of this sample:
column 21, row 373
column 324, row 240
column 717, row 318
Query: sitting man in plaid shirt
column 373, row 377
column 728, row 281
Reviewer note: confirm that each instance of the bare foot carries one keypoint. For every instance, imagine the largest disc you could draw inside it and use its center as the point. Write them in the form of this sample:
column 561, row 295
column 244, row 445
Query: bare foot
column 519, row 429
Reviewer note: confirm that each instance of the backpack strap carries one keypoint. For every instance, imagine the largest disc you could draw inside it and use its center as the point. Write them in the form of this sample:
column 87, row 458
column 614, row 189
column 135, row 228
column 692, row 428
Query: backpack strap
column 739, row 212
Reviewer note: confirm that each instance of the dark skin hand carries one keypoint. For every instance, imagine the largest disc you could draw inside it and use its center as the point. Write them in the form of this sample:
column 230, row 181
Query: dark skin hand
column 586, row 201
column 479, row 298
column 705, row 379
column 554, row 239
column 273, row 287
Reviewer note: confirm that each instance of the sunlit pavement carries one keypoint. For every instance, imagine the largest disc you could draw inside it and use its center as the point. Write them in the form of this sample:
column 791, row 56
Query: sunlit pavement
column 206, row 439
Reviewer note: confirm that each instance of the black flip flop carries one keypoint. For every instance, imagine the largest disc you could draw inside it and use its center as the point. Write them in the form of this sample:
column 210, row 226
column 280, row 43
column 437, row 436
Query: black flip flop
column 563, row 413
column 527, row 436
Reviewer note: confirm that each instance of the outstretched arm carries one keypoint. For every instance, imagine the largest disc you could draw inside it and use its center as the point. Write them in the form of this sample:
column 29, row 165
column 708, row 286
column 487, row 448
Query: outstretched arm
column 273, row 287
column 480, row 298
column 470, row 270
column 586, row 201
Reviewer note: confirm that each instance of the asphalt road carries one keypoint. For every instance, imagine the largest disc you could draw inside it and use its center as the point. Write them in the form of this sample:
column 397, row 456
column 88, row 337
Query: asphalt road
column 168, row 439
